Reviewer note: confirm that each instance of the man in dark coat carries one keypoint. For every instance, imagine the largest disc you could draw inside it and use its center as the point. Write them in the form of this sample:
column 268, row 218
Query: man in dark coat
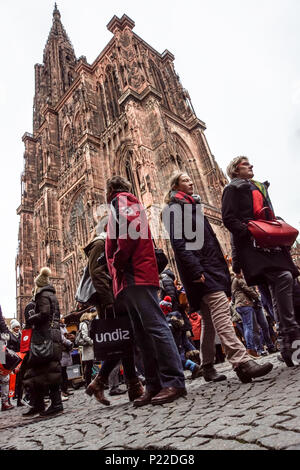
column 243, row 200
column 205, row 276
column 133, row 268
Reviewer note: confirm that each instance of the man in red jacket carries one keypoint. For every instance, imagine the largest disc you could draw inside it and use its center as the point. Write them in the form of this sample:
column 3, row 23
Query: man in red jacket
column 132, row 265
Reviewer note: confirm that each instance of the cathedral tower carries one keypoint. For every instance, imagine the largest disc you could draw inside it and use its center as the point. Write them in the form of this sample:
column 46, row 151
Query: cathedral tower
column 126, row 113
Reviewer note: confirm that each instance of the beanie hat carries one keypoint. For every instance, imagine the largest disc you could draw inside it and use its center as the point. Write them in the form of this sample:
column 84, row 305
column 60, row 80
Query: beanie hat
column 42, row 279
column 14, row 323
column 166, row 305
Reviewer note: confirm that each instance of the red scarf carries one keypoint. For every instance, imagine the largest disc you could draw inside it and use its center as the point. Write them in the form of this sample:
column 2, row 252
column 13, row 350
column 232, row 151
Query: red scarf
column 183, row 197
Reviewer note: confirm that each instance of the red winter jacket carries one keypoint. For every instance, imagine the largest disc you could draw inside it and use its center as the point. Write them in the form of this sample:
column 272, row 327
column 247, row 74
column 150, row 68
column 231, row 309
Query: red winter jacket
column 129, row 248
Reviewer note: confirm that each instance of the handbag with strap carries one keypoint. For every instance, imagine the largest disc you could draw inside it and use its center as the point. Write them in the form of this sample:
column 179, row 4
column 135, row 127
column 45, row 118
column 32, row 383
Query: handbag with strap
column 9, row 359
column 272, row 232
column 41, row 345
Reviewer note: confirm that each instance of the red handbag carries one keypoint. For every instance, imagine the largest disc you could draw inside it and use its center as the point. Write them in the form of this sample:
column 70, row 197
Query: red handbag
column 273, row 232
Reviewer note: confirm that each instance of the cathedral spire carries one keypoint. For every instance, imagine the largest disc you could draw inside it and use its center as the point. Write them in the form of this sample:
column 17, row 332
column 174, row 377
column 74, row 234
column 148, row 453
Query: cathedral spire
column 57, row 72
column 56, row 13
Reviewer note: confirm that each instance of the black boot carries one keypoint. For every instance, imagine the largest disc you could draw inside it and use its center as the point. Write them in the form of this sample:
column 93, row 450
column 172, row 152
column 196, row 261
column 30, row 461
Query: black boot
column 288, row 346
column 197, row 372
column 210, row 374
column 56, row 405
column 250, row 370
column 37, row 405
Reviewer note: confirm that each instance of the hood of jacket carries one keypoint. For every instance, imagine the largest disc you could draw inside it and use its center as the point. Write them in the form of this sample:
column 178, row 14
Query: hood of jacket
column 169, row 273
column 90, row 245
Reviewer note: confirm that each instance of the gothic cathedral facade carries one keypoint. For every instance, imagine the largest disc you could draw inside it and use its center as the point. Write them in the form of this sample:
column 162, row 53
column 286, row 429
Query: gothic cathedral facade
column 127, row 113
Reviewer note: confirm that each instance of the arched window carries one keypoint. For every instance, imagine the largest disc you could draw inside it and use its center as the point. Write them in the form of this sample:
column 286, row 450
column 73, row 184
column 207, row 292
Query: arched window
column 158, row 81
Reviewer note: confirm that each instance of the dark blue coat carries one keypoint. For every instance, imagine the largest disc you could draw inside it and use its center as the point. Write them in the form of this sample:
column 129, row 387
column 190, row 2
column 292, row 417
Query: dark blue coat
column 208, row 260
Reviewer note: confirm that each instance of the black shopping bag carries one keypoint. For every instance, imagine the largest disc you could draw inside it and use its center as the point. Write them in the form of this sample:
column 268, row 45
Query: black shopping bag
column 111, row 337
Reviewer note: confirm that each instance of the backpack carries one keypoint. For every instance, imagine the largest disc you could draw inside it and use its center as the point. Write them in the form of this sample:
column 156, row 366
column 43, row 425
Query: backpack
column 86, row 292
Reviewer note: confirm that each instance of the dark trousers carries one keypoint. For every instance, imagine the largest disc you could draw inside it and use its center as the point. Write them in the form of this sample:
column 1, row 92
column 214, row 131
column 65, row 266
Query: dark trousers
column 64, row 379
column 161, row 359
column 281, row 287
column 37, row 396
column 128, row 366
column 87, row 371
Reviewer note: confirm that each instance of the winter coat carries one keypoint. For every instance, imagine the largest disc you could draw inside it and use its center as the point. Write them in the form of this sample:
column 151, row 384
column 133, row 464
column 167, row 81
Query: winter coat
column 87, row 348
column 47, row 308
column 208, row 260
column 3, row 325
column 28, row 311
column 168, row 287
column 99, row 272
column 67, row 345
column 241, row 201
column 244, row 296
column 130, row 256
column 14, row 341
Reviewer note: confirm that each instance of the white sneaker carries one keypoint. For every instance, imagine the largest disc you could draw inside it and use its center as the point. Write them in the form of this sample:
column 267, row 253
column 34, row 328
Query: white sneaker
column 64, row 398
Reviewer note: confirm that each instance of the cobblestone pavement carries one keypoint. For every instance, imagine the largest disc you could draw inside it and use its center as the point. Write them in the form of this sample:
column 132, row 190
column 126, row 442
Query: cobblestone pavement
column 229, row 415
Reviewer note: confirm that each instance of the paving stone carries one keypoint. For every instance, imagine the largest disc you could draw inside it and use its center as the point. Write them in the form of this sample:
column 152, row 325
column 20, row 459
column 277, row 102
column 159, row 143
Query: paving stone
column 292, row 424
column 220, row 444
column 232, row 431
column 193, row 443
column 186, row 432
column 271, row 420
column 281, row 440
column 257, row 432
column 211, row 430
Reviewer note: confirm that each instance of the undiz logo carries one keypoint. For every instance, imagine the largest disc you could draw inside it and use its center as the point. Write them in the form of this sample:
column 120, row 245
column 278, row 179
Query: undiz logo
column 113, row 336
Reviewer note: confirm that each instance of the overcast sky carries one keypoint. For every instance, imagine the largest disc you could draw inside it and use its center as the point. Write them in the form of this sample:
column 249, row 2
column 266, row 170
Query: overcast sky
column 239, row 60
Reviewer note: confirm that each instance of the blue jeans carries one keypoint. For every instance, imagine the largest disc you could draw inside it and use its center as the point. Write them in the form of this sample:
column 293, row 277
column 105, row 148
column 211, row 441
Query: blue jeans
column 266, row 300
column 160, row 355
column 246, row 314
column 262, row 322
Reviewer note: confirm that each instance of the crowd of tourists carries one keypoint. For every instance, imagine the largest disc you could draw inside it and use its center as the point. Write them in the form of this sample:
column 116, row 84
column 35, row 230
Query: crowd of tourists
column 210, row 312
